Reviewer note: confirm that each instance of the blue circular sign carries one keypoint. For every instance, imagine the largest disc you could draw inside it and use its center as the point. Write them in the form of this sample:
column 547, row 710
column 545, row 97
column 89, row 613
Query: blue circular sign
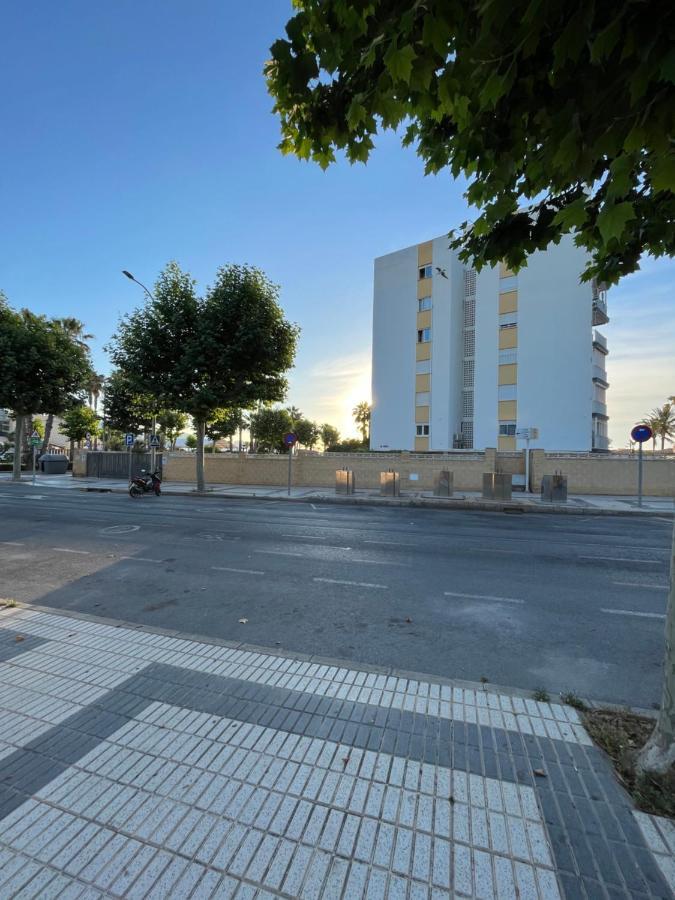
column 642, row 433
column 290, row 439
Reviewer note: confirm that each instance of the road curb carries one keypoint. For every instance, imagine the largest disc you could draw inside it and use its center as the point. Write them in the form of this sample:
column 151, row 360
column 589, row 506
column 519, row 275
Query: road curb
column 415, row 502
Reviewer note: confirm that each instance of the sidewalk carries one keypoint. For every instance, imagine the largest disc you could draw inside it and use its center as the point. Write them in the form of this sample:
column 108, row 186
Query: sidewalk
column 137, row 764
column 586, row 504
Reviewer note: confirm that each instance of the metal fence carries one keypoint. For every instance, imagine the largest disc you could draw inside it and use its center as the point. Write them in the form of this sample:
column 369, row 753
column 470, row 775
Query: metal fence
column 115, row 464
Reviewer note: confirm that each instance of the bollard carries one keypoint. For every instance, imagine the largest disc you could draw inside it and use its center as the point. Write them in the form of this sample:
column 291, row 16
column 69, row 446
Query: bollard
column 554, row 488
column 344, row 481
column 390, row 484
column 497, row 486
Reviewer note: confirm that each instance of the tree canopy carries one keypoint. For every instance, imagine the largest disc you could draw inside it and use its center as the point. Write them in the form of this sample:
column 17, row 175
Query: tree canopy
column 559, row 113
column 79, row 421
column 268, row 427
column 197, row 355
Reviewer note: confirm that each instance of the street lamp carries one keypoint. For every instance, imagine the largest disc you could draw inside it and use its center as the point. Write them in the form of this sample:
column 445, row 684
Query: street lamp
column 154, row 418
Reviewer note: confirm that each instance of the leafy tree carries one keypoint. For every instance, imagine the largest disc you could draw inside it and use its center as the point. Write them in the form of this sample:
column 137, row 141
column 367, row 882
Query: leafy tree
column 38, row 427
column 227, row 349
column 269, row 427
column 224, row 424
column 307, row 432
column 361, row 413
column 564, row 107
column 41, row 367
column 350, row 445
column 79, row 421
column 171, row 425
column 191, row 442
column 295, row 414
column 124, row 408
column 329, row 435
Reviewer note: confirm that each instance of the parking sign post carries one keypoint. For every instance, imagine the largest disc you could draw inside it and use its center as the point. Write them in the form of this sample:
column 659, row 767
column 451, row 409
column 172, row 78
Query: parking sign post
column 289, row 440
column 641, row 433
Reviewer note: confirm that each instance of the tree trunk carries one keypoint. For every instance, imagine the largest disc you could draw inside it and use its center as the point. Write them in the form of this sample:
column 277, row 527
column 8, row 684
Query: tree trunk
column 72, row 450
column 200, row 429
column 240, row 438
column 231, row 447
column 18, row 435
column 49, row 424
column 658, row 753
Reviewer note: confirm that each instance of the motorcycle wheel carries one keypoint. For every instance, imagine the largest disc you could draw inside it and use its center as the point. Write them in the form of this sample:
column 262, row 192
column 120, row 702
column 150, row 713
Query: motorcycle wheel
column 158, row 490
column 134, row 491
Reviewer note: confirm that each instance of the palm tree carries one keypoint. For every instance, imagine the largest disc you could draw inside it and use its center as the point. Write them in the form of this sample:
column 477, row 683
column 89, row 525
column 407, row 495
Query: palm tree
column 75, row 330
column 294, row 413
column 361, row 413
column 662, row 423
column 654, row 425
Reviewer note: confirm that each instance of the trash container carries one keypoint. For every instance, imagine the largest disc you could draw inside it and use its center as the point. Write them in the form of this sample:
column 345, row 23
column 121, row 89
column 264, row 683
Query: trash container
column 554, row 488
column 344, row 481
column 496, row 486
column 444, row 484
column 54, row 463
column 390, row 484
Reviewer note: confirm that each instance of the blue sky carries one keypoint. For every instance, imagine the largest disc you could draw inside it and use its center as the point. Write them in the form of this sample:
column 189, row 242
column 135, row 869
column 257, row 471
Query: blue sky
column 139, row 132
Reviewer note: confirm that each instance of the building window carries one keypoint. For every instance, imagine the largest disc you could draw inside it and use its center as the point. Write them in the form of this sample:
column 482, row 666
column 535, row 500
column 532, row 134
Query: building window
column 423, row 335
column 509, row 283
column 425, row 272
column 508, row 357
column 423, row 303
column 467, row 404
column 469, row 343
column 422, row 430
column 507, row 392
column 508, row 320
column 423, row 398
column 508, row 324
column 423, row 367
column 507, row 429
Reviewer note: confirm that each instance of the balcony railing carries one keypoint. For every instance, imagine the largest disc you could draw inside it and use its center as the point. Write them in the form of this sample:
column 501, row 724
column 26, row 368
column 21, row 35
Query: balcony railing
column 600, row 316
column 600, row 341
column 600, row 374
column 599, row 409
column 600, row 442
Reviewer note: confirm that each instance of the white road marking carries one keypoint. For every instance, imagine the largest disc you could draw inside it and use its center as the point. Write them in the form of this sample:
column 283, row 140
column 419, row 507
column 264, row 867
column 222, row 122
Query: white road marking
column 305, row 537
column 631, row 612
column 645, row 562
column 379, row 562
column 66, row 550
column 240, row 571
column 34, row 497
column 494, row 550
column 120, row 529
column 365, row 584
column 483, row 597
column 391, row 543
column 280, row 552
column 637, row 584
column 140, row 559
column 12, row 544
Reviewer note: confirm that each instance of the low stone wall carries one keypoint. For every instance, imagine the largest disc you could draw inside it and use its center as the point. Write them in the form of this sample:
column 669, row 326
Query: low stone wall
column 315, row 470
column 604, row 473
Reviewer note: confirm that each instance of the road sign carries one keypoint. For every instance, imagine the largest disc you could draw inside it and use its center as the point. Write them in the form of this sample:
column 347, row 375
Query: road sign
column 527, row 434
column 35, row 434
column 35, row 440
column 154, row 440
column 129, row 440
column 290, row 439
column 642, row 433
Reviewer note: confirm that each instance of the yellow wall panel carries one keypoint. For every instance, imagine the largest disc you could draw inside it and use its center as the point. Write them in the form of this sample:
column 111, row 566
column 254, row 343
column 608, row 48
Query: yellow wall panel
column 422, row 415
column 424, row 253
column 508, row 302
column 508, row 374
column 507, row 410
column 504, row 271
column 423, row 351
column 421, row 444
column 506, row 442
column 508, row 338
column 422, row 383
column 424, row 286
column 424, row 319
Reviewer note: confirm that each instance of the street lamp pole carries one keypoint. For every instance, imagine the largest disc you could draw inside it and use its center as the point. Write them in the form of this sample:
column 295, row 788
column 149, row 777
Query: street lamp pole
column 154, row 417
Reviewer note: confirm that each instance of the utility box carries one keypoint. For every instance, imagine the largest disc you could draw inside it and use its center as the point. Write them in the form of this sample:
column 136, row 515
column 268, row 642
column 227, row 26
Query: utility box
column 444, row 484
column 554, row 488
column 497, row 486
column 390, row 484
column 54, row 463
column 344, row 481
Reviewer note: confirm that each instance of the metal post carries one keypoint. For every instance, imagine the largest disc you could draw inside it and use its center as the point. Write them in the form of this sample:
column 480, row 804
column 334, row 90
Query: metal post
column 34, row 452
column 129, row 463
column 640, row 474
column 152, row 447
column 527, row 465
column 290, row 469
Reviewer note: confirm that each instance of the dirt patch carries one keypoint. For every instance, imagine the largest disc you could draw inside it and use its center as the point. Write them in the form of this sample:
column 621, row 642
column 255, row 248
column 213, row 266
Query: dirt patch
column 622, row 735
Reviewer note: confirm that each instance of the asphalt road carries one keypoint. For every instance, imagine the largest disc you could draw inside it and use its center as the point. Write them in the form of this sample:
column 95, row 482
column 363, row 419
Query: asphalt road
column 562, row 602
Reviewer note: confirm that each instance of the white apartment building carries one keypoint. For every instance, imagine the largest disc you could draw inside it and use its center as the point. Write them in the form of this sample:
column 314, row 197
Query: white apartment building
column 464, row 359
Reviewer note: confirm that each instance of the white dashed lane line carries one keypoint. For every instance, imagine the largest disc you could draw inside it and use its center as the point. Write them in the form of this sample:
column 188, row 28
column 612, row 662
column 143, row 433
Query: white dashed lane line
column 238, row 571
column 631, row 612
column 364, row 584
column 483, row 597
column 627, row 559
column 66, row 550
column 637, row 584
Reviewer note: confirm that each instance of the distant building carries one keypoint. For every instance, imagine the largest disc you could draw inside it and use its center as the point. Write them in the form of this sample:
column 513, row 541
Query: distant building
column 5, row 424
column 464, row 359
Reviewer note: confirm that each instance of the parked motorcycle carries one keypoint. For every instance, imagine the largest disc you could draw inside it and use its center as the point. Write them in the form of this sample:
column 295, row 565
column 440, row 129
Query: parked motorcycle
column 146, row 483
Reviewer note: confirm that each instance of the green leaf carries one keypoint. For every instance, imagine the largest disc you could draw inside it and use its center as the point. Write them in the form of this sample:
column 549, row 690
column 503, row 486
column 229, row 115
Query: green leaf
column 663, row 173
column 355, row 114
column 613, row 220
column 571, row 216
column 494, row 88
column 399, row 62
column 667, row 68
column 606, row 41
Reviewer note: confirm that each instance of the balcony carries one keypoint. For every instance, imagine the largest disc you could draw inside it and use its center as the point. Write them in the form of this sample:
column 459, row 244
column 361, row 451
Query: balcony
column 599, row 409
column 600, row 442
column 600, row 342
column 600, row 316
column 600, row 376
